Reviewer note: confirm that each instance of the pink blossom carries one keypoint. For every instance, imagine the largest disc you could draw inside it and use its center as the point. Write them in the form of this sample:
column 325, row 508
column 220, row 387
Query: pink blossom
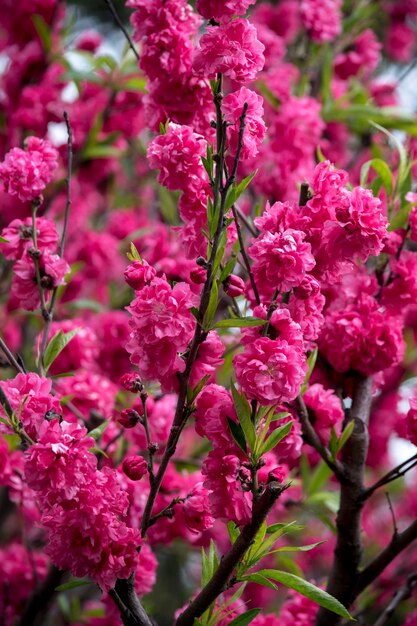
column 53, row 270
column 128, row 418
column 30, row 397
column 281, row 260
column 213, row 406
column 231, row 49
column 401, row 42
column 161, row 327
column 197, row 511
column 151, row 16
column 281, row 326
column 177, row 155
column 138, row 274
column 25, row 173
column 19, row 237
column 297, row 610
column 135, row 467
column 89, row 391
column 270, row 371
column 145, row 575
column 326, row 407
column 166, row 53
column 228, row 500
column 255, row 128
column 363, row 56
column 322, row 19
column 362, row 337
column 411, row 422
column 290, row 447
column 223, row 10
column 412, row 220
column 235, row 286
column 209, row 358
column 81, row 352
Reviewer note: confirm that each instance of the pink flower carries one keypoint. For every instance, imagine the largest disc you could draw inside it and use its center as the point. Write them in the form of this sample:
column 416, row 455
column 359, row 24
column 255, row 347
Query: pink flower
column 412, row 220
column 231, row 49
column 255, row 128
column 322, row 19
column 363, row 56
column 235, row 286
column 19, row 237
column 128, row 418
column 223, row 10
column 209, row 358
column 362, row 337
column 151, row 16
column 270, row 371
column 228, row 500
column 197, row 510
column 162, row 326
column 138, row 274
column 281, row 326
column 401, row 42
column 81, row 352
column 281, row 260
column 177, row 155
column 411, row 421
column 326, row 408
column 89, row 391
column 290, row 447
column 297, row 611
column 30, row 397
column 165, row 54
column 213, row 406
column 53, row 270
column 25, row 173
column 135, row 467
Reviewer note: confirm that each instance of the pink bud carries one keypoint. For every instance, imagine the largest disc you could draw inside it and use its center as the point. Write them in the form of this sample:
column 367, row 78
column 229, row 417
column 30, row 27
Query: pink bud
column 128, row 418
column 235, row 286
column 131, row 382
column 135, row 467
column 198, row 276
column 138, row 274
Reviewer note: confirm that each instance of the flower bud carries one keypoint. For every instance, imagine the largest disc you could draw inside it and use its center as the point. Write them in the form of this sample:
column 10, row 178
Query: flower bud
column 135, row 467
column 235, row 286
column 131, row 382
column 129, row 418
column 198, row 275
column 138, row 274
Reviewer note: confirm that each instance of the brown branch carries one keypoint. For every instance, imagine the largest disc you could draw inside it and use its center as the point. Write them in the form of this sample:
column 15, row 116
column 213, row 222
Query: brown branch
column 227, row 565
column 245, row 257
column 122, row 28
column 397, row 544
column 311, row 437
column 38, row 603
column 402, row 594
column 10, row 356
column 392, row 475
column 348, row 552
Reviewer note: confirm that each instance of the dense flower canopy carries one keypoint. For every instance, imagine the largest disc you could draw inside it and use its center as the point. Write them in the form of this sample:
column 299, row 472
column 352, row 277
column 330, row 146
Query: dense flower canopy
column 208, row 329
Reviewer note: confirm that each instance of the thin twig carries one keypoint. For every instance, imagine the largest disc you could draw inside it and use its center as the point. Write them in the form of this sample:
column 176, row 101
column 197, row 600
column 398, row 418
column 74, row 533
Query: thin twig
column 228, row 563
column 10, row 356
column 245, row 257
column 122, row 28
column 396, row 472
column 402, row 594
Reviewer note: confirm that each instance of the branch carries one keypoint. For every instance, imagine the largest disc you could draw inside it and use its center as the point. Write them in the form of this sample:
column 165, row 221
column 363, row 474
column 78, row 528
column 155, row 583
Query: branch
column 392, row 475
column 397, row 544
column 135, row 614
column 38, row 603
column 245, row 257
column 348, row 551
column 402, row 594
column 10, row 356
column 311, row 437
column 122, row 28
column 227, row 565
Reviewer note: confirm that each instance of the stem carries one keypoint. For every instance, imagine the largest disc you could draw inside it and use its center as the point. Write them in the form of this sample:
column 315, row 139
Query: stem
column 227, row 565
column 122, row 28
column 245, row 256
column 35, row 257
column 402, row 594
column 348, row 552
column 392, row 475
column 10, row 356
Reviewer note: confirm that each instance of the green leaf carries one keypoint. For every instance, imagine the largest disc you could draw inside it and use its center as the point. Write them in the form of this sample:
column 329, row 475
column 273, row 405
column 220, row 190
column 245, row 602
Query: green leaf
column 97, row 432
column 307, row 589
column 245, row 618
column 260, row 580
column 275, row 437
column 305, row 548
column 3, row 240
column 233, row 531
column 43, row 31
column 134, row 255
column 243, row 411
column 168, row 205
column 345, row 435
column 101, row 152
column 212, row 305
column 56, row 345
column 135, row 84
column 237, row 434
column 72, row 584
column 244, row 183
column 240, row 322
column 319, row 478
column 193, row 393
column 228, row 269
column 311, row 362
column 382, row 169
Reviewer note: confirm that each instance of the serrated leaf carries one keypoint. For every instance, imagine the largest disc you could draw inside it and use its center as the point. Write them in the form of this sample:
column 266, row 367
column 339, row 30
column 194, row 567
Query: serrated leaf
column 245, row 618
column 56, row 345
column 73, row 584
column 240, row 322
column 243, row 411
column 307, row 589
column 96, row 433
column 237, row 434
column 275, row 437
